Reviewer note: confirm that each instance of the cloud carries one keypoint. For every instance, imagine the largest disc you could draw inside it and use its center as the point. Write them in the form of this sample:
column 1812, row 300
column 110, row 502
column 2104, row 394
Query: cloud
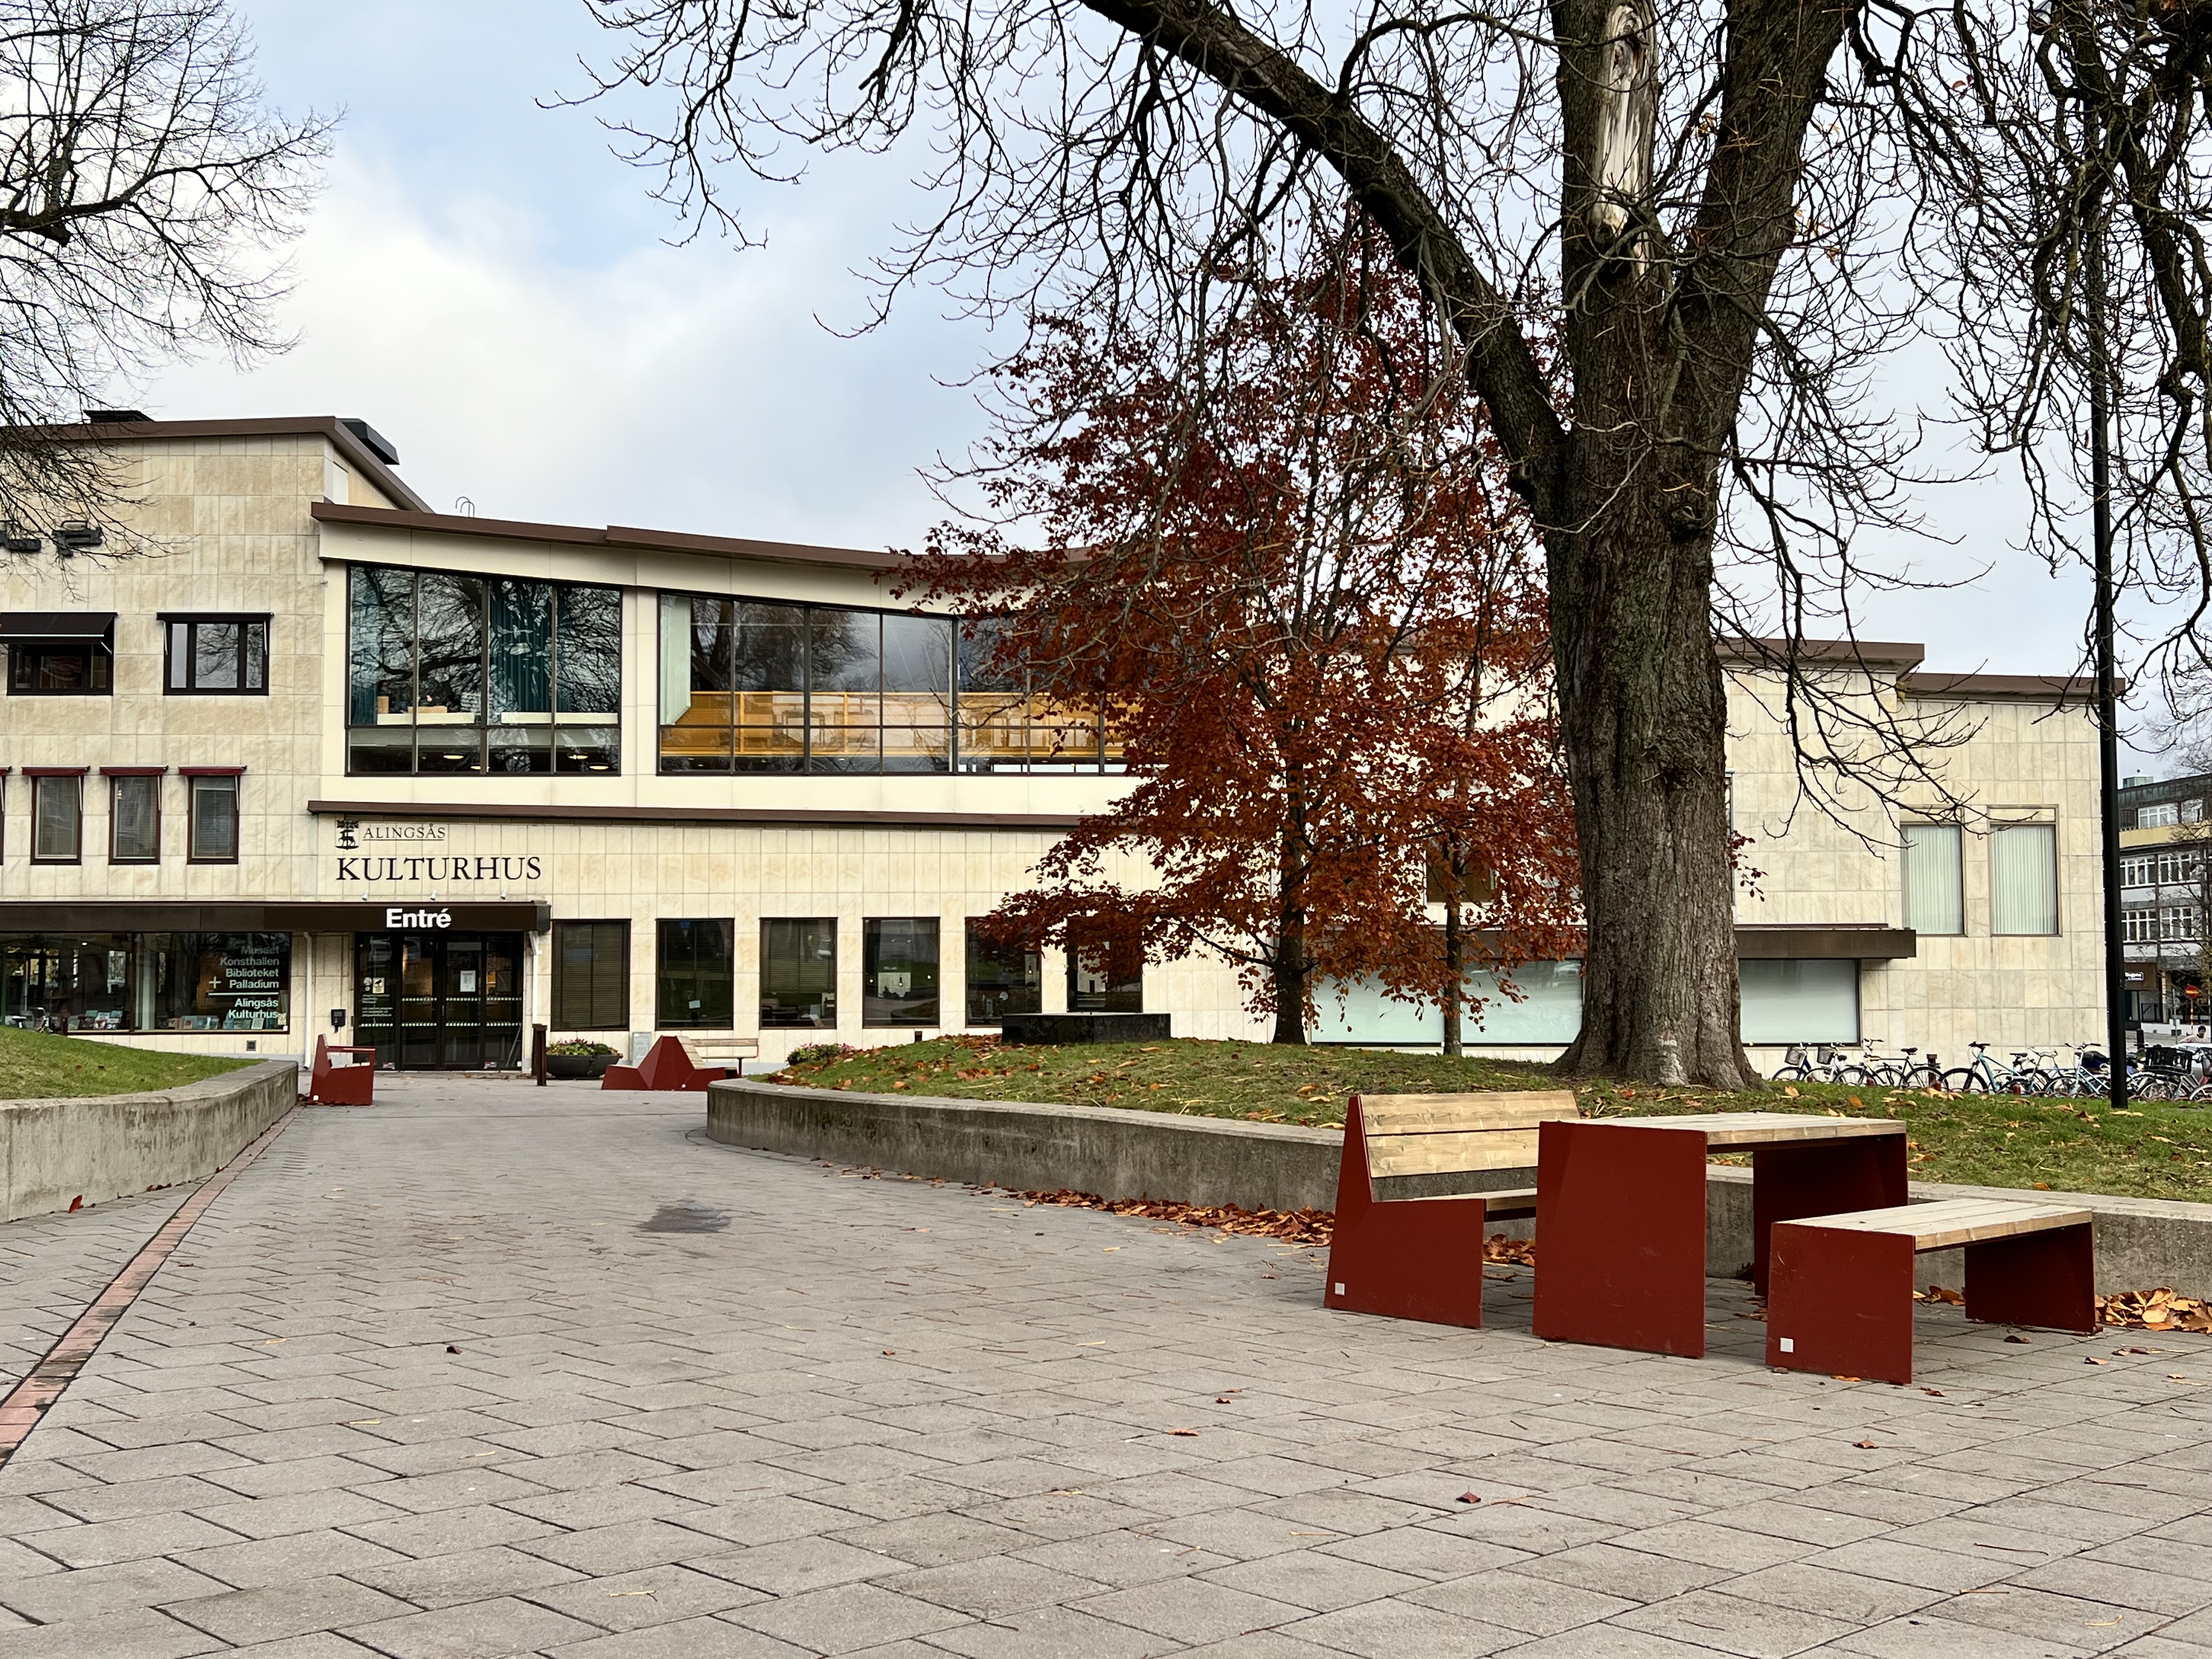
column 680, row 387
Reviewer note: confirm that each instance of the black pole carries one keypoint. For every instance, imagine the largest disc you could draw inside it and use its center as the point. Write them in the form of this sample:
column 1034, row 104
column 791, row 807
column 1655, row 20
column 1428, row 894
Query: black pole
column 2108, row 711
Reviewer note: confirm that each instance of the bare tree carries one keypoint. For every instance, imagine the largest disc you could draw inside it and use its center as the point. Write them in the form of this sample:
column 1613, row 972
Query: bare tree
column 146, row 190
column 1672, row 242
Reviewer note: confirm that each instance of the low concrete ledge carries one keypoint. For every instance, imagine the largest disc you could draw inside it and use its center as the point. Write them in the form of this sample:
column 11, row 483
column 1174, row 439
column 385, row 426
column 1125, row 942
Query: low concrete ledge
column 2142, row 1242
column 1090, row 1149
column 102, row 1146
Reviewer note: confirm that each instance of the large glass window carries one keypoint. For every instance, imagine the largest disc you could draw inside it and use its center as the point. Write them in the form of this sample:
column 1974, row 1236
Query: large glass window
column 56, row 819
column 1002, row 980
column 1005, row 725
column 899, row 964
column 216, row 981
column 1812, row 999
column 1934, row 896
column 134, row 818
column 456, row 673
column 217, row 656
column 798, row 972
column 692, row 984
column 66, row 982
column 1545, row 1009
column 590, row 976
column 1093, row 988
column 749, row 685
column 2024, row 878
column 213, row 826
column 78, row 660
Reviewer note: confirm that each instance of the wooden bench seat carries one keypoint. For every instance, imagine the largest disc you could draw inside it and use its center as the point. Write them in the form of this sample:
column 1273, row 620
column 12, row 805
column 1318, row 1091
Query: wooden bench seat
column 1421, row 1258
column 721, row 1049
column 1840, row 1286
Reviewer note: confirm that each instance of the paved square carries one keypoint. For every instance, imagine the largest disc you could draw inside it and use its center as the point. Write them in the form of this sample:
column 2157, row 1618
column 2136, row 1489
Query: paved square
column 490, row 1370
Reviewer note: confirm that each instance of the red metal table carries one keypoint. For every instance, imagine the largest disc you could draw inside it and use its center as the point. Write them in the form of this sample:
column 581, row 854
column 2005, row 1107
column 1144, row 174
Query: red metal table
column 1620, row 1212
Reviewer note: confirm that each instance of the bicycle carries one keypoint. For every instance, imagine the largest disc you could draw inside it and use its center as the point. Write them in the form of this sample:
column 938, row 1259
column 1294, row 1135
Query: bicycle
column 1885, row 1072
column 1983, row 1076
column 1825, row 1065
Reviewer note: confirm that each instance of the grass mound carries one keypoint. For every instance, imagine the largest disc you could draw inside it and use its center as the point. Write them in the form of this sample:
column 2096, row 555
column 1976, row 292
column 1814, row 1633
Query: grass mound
column 2157, row 1150
column 35, row 1066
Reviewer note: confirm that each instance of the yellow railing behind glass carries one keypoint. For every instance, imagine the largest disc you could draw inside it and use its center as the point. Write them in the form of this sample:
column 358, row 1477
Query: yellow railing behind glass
column 1001, row 727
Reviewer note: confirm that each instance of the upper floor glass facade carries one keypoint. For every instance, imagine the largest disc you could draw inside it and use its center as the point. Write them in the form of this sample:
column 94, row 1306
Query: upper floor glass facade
column 456, row 673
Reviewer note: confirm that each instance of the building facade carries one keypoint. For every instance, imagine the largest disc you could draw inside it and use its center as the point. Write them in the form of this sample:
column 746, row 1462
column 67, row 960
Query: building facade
column 2165, row 886
column 326, row 761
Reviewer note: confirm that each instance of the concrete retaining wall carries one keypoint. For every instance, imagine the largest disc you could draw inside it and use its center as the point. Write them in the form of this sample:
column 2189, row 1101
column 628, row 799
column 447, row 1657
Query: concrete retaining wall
column 2142, row 1242
column 103, row 1146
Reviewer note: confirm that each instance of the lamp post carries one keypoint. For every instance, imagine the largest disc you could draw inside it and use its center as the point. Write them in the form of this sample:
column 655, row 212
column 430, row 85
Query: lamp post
column 2108, row 710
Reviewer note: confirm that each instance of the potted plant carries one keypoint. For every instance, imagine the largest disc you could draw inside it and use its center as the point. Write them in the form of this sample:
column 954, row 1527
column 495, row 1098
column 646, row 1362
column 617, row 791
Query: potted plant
column 578, row 1059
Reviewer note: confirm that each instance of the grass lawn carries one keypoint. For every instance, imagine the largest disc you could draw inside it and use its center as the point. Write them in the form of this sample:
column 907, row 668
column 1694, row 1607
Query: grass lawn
column 2154, row 1151
column 35, row 1066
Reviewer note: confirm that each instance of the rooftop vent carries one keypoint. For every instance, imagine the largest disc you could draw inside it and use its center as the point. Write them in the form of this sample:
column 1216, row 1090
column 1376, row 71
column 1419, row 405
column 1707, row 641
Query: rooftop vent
column 379, row 445
column 2134, row 783
column 116, row 417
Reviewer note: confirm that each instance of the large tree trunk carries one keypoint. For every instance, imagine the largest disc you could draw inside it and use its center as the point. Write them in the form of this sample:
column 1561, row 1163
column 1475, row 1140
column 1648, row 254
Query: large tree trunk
column 1643, row 718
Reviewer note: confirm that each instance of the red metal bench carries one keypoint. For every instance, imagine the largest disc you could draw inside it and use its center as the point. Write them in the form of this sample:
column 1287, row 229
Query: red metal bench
column 1840, row 1293
column 342, row 1086
column 1421, row 1258
column 670, row 1065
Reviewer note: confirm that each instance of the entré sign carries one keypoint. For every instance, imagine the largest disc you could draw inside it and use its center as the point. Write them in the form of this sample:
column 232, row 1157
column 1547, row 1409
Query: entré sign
column 398, row 918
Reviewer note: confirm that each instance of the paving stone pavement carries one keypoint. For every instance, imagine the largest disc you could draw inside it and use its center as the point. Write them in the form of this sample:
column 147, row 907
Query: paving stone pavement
column 486, row 1370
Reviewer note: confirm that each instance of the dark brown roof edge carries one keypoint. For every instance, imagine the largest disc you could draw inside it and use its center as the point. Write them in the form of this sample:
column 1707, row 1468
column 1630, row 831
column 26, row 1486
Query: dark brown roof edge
column 1860, row 941
column 663, row 541
column 327, row 426
column 834, row 818
column 1887, row 652
column 2044, row 688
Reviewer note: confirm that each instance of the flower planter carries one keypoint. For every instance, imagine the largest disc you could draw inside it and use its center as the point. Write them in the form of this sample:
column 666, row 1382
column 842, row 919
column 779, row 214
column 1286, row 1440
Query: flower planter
column 578, row 1065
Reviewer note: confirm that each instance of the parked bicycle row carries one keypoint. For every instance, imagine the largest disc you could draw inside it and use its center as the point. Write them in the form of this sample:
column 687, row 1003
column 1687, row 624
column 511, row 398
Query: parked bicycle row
column 2166, row 1072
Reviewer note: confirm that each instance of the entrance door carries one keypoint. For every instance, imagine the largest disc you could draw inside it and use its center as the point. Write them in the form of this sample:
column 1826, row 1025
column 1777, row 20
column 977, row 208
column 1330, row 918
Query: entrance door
column 441, row 1002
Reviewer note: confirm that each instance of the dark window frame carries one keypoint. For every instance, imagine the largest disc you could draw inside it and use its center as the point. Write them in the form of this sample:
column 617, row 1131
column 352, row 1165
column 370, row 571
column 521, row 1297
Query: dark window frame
column 191, row 621
column 195, row 779
column 1032, row 968
column 872, row 931
column 888, row 759
column 1112, row 998
column 117, row 776
column 771, row 1019
column 592, row 993
column 40, row 778
column 99, row 665
column 662, row 982
column 567, row 740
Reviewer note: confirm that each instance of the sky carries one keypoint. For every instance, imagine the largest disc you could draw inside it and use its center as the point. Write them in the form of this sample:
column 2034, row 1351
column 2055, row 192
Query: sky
column 495, row 291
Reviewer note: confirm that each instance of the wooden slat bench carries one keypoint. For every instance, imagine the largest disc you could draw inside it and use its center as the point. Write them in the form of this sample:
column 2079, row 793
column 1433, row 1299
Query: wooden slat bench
column 1840, row 1286
column 722, row 1050
column 1421, row 1258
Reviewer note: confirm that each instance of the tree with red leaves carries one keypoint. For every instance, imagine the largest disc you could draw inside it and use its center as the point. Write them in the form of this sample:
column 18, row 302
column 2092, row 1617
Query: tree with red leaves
column 1285, row 569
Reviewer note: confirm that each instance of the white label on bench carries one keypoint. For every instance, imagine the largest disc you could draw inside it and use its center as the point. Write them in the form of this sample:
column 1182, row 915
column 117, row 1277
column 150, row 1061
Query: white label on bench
column 1789, row 1345
column 1340, row 1290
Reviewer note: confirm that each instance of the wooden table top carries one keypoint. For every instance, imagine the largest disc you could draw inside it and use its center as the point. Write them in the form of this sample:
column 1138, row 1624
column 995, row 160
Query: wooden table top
column 1722, row 1129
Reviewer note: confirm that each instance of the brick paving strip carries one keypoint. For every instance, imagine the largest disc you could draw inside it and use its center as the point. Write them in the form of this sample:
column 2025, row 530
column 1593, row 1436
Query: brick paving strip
column 26, row 1403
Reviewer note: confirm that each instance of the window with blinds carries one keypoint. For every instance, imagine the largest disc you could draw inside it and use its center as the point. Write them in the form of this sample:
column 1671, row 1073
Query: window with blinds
column 1935, row 893
column 590, row 975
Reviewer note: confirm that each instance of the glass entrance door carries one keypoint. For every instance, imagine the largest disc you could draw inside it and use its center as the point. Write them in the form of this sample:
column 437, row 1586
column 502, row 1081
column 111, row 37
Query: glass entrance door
column 441, row 1002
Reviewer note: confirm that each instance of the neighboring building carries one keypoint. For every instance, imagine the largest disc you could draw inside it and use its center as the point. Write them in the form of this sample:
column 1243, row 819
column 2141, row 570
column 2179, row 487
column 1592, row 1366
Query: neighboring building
column 453, row 776
column 2164, row 893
